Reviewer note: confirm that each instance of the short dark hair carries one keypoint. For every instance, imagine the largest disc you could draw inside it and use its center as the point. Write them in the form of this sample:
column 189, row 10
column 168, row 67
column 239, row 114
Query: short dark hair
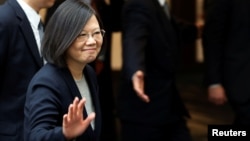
column 63, row 28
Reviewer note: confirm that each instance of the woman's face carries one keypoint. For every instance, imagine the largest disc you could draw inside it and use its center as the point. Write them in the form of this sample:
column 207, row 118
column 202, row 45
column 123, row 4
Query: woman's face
column 87, row 45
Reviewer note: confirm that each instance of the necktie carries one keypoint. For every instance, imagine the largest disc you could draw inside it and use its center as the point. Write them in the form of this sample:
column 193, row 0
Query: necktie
column 41, row 30
column 166, row 9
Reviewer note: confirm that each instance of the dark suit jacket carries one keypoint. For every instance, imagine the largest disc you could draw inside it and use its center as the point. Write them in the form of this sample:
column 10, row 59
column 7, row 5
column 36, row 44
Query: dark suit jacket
column 227, row 47
column 19, row 61
column 150, row 43
column 50, row 93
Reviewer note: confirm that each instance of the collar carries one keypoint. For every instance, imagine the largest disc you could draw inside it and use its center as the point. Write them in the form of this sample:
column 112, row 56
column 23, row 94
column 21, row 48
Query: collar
column 31, row 14
column 161, row 2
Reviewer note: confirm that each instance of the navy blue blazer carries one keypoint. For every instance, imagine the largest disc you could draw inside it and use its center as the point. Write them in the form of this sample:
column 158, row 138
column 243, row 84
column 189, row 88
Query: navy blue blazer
column 151, row 43
column 19, row 61
column 49, row 94
column 227, row 47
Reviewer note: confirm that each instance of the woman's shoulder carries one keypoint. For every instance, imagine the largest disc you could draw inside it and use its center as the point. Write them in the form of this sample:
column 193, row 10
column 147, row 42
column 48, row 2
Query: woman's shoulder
column 50, row 70
column 49, row 73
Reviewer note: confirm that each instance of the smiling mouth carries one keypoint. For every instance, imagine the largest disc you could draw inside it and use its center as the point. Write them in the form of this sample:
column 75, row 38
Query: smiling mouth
column 88, row 49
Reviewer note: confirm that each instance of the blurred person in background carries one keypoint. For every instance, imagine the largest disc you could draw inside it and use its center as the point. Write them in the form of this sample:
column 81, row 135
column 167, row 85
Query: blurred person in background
column 226, row 51
column 20, row 59
column 149, row 105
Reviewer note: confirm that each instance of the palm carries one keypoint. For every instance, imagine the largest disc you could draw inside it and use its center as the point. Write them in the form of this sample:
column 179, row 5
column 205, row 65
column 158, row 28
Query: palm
column 74, row 123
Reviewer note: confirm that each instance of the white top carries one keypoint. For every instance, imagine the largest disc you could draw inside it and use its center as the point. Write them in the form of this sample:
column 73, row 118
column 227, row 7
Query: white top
column 84, row 90
column 34, row 19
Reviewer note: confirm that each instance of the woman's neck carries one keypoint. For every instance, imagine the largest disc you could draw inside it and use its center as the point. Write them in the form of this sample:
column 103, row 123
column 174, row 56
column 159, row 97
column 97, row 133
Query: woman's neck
column 76, row 71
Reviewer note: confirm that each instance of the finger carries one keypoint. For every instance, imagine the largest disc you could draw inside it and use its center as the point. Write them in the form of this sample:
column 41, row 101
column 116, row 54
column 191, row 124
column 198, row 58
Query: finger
column 139, row 91
column 65, row 120
column 138, row 87
column 70, row 112
column 141, row 94
column 144, row 98
column 80, row 107
column 75, row 103
column 81, row 103
column 90, row 118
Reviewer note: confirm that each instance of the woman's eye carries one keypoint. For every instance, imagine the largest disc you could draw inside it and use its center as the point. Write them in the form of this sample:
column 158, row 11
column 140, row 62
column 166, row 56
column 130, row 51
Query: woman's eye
column 97, row 33
column 83, row 35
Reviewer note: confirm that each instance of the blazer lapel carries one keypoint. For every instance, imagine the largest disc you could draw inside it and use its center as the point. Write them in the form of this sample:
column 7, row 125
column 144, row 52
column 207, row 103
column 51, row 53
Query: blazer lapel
column 167, row 24
column 31, row 42
column 94, row 93
column 27, row 32
column 75, row 92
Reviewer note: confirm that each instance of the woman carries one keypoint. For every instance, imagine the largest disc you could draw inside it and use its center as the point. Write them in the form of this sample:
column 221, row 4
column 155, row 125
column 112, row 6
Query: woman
column 62, row 98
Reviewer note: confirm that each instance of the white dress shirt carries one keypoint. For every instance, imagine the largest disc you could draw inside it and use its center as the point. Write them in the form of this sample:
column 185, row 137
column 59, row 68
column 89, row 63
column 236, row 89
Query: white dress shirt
column 161, row 2
column 34, row 19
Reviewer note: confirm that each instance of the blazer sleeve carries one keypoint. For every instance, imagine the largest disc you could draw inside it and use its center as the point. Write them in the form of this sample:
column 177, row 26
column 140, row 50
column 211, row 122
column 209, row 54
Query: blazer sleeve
column 134, row 38
column 44, row 109
column 214, row 34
